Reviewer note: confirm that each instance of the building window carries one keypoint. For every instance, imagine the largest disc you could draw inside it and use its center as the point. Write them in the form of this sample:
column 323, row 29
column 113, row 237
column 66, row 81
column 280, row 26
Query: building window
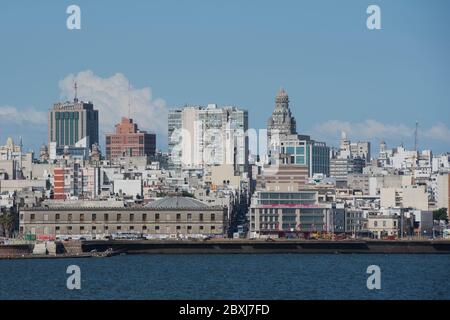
column 178, row 227
column 201, row 228
column 57, row 228
column 213, row 217
column 213, row 228
column 189, row 216
column 144, row 217
column 384, row 223
column 57, row 217
column 189, row 227
column 94, row 217
column 156, row 216
column 131, row 227
column 144, row 227
column 94, row 228
column 106, row 228
column 156, row 227
column 119, row 217
column 201, row 217
column 82, row 228
column 375, row 223
column 178, row 216
column 82, row 217
column 131, row 216
column 69, row 217
column 119, row 228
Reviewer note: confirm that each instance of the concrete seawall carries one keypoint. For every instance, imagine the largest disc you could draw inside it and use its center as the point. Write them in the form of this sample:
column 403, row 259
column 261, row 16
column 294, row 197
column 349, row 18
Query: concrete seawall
column 269, row 247
column 12, row 250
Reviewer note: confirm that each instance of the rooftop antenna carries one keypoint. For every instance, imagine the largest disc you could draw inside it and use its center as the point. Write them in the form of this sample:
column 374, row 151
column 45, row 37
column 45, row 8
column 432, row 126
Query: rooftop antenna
column 416, row 136
column 129, row 100
column 76, row 92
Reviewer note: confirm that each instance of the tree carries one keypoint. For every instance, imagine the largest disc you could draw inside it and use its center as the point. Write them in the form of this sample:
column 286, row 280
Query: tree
column 7, row 223
column 187, row 194
column 440, row 214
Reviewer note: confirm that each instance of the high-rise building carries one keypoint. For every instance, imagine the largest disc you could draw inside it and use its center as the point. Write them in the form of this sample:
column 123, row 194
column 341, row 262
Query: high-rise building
column 285, row 146
column 175, row 125
column 212, row 135
column 69, row 122
column 128, row 140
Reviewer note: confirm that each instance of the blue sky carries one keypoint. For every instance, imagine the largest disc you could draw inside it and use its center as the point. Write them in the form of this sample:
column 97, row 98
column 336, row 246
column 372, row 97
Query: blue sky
column 338, row 74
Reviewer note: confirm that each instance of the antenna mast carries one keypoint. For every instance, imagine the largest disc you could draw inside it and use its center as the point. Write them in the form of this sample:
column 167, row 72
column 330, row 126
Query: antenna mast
column 76, row 92
column 416, row 136
column 129, row 100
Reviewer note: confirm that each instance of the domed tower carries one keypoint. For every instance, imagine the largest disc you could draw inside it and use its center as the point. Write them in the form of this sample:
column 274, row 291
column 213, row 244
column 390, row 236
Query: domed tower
column 280, row 125
column 281, row 121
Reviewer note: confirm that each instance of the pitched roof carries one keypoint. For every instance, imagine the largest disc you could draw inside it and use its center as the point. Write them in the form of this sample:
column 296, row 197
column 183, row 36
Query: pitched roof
column 177, row 203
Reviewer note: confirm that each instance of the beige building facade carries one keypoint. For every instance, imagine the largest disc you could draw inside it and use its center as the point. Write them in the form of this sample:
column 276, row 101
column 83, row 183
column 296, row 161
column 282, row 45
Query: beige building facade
column 167, row 216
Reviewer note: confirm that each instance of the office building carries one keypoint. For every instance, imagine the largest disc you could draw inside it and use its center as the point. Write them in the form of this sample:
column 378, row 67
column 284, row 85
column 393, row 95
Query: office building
column 129, row 141
column 69, row 122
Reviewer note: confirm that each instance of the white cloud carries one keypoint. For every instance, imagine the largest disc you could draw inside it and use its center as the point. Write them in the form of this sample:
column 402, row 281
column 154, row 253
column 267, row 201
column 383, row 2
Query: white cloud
column 438, row 132
column 13, row 115
column 374, row 130
column 111, row 97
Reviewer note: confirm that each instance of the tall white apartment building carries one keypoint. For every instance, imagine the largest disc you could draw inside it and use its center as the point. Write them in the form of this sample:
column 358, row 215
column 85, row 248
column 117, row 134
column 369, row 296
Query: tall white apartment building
column 201, row 136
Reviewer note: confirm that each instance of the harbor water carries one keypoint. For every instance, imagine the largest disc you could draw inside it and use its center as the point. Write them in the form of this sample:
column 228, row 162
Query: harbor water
column 240, row 276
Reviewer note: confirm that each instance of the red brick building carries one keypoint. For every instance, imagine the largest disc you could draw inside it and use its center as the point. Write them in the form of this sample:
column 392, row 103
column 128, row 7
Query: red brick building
column 128, row 140
column 59, row 184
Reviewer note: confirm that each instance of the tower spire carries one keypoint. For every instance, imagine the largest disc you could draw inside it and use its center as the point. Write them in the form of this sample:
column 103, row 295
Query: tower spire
column 75, row 86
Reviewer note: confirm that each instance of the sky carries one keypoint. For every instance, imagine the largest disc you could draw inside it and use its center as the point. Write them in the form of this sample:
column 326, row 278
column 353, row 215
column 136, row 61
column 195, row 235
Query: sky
column 160, row 54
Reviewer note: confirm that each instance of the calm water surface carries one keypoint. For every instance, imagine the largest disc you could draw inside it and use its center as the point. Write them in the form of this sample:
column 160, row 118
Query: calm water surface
column 284, row 276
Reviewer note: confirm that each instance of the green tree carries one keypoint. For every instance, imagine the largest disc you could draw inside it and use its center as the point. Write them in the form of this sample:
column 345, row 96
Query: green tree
column 187, row 194
column 440, row 214
column 7, row 223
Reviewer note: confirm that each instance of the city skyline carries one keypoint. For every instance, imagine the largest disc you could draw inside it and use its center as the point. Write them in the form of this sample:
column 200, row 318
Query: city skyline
column 227, row 150
column 339, row 75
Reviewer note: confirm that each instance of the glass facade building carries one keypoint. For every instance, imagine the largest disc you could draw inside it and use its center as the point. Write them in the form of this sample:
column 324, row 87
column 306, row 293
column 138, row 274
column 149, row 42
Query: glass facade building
column 315, row 155
column 69, row 122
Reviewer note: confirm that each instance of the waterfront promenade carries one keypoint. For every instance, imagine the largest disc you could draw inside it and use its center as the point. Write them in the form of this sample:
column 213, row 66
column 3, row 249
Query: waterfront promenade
column 105, row 248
